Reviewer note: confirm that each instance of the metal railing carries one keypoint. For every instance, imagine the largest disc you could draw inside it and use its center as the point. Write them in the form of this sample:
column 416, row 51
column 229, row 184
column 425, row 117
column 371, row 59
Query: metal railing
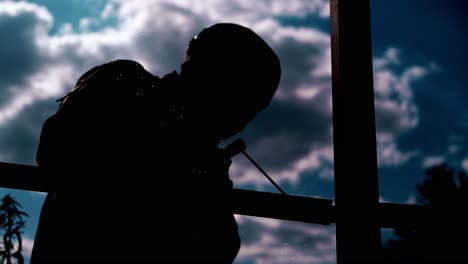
column 246, row 202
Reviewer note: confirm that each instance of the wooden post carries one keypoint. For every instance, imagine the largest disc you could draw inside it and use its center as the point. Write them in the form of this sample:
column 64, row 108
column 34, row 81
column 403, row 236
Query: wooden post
column 355, row 154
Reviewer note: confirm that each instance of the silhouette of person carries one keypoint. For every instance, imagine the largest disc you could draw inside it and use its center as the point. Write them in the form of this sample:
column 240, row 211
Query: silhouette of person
column 134, row 161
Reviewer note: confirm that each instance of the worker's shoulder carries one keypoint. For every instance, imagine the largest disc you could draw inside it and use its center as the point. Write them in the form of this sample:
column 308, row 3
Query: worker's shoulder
column 121, row 70
column 124, row 66
column 123, row 63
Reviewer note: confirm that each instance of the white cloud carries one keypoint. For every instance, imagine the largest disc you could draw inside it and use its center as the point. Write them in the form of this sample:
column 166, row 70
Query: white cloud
column 453, row 149
column 382, row 200
column 217, row 10
column 66, row 29
column 109, row 10
column 388, row 153
column 21, row 27
column 433, row 161
column 396, row 111
column 396, row 114
column 42, row 85
column 85, row 23
column 391, row 57
column 412, row 200
column 27, row 244
column 278, row 241
column 464, row 164
column 243, row 173
column 15, row 9
column 39, row 194
column 159, row 45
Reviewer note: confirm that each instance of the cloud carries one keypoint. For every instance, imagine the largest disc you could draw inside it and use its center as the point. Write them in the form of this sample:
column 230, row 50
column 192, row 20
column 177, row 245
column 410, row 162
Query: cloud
column 433, row 161
column 452, row 157
column 27, row 244
column 464, row 164
column 454, row 149
column 39, row 86
column 19, row 136
column 302, row 105
column 217, row 10
column 321, row 160
column 54, row 62
column 276, row 241
column 412, row 199
column 21, row 26
column 388, row 153
column 395, row 110
column 304, row 139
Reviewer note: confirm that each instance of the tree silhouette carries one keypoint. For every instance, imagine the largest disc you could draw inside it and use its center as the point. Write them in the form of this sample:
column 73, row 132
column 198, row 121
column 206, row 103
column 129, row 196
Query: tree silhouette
column 442, row 237
column 11, row 223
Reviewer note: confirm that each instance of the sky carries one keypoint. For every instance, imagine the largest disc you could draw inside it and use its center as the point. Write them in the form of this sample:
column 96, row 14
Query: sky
column 419, row 84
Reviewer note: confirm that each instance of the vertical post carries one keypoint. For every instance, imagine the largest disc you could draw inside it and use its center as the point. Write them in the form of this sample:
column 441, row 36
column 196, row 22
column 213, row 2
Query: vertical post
column 355, row 154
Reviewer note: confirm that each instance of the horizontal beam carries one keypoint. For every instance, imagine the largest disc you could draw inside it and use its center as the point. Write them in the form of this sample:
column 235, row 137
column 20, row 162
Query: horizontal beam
column 22, row 177
column 285, row 207
column 252, row 203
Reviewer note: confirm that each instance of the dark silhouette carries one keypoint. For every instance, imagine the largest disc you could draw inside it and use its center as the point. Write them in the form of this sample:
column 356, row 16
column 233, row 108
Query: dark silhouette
column 11, row 223
column 442, row 238
column 134, row 160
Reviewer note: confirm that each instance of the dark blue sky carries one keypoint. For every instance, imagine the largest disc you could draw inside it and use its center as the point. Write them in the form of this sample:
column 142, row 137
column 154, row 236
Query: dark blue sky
column 419, row 71
column 427, row 31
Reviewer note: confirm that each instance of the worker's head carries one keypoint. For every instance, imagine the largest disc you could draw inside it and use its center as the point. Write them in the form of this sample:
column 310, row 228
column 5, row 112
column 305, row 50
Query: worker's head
column 232, row 74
